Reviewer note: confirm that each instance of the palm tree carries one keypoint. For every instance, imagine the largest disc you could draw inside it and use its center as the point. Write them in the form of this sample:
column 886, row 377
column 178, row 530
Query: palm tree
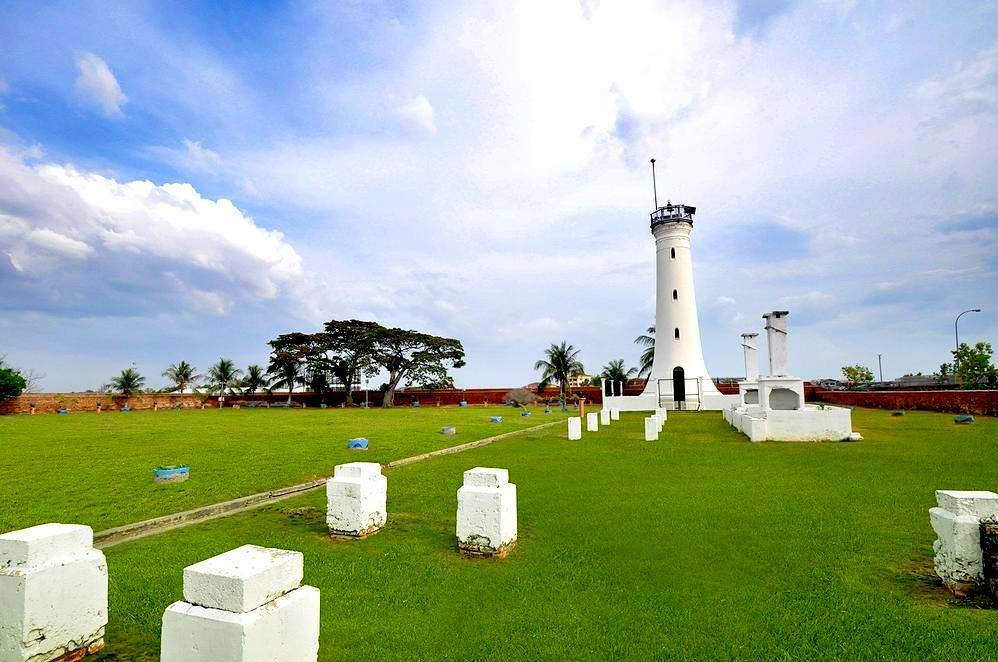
column 285, row 368
column 648, row 355
column 182, row 374
column 255, row 379
column 561, row 364
column 128, row 382
column 224, row 375
column 616, row 372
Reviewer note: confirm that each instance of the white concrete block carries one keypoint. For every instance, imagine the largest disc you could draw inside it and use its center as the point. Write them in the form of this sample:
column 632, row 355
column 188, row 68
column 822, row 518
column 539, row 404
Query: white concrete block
column 243, row 579
column 604, row 417
column 53, row 593
column 574, row 428
column 651, row 429
column 285, row 629
column 486, row 512
column 614, row 414
column 662, row 413
column 980, row 504
column 356, row 499
column 958, row 556
column 592, row 422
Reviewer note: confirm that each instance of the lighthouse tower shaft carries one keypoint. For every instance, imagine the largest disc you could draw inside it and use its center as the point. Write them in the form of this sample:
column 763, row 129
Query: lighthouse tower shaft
column 679, row 375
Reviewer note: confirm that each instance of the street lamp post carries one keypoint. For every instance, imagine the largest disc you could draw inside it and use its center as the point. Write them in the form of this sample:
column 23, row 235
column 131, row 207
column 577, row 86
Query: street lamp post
column 956, row 326
column 880, row 364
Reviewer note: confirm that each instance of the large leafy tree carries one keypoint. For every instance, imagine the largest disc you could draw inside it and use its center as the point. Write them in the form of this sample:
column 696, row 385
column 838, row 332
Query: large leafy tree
column 646, row 340
column 615, row 371
column 224, row 375
column 418, row 357
column 128, row 381
column 972, row 365
column 560, row 363
column 182, row 375
column 255, row 379
column 348, row 348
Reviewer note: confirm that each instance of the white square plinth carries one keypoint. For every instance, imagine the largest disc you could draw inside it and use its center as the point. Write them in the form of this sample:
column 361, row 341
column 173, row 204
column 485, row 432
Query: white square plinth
column 957, row 523
column 592, row 422
column 651, row 428
column 244, row 578
column 614, row 414
column 574, row 428
column 356, row 499
column 53, row 593
column 604, row 417
column 283, row 630
column 486, row 512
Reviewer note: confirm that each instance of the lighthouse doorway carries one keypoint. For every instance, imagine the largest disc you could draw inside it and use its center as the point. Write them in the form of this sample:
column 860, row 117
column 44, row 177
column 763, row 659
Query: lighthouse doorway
column 678, row 385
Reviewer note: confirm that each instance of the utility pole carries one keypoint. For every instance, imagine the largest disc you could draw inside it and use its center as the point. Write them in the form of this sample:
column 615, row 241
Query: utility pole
column 880, row 364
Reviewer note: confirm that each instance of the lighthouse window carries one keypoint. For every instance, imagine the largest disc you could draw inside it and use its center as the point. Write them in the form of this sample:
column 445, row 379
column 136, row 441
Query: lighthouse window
column 673, row 253
column 677, row 333
column 675, row 294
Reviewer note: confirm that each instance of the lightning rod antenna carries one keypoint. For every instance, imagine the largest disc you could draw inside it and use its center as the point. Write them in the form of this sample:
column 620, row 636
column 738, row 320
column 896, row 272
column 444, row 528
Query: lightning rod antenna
column 654, row 184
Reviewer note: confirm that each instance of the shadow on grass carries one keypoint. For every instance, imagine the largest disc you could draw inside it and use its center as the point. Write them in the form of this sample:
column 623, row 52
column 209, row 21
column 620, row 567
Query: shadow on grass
column 918, row 580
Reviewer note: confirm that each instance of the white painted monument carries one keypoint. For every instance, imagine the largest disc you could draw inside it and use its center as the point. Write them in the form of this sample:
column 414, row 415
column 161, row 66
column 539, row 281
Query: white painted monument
column 651, row 428
column 486, row 512
column 678, row 378
column 592, row 422
column 53, row 593
column 781, row 413
column 604, row 417
column 356, row 500
column 957, row 523
column 246, row 605
column 748, row 388
column 574, row 428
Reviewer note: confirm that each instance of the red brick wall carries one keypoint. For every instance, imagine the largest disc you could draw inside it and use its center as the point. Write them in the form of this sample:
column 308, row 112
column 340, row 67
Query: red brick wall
column 984, row 403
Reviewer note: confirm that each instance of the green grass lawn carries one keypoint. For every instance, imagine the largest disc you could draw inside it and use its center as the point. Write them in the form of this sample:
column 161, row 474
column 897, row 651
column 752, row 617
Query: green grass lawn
column 701, row 545
column 96, row 469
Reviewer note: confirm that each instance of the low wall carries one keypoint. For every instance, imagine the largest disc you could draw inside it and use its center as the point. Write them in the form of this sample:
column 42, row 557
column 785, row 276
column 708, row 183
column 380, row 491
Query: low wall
column 982, row 403
column 50, row 403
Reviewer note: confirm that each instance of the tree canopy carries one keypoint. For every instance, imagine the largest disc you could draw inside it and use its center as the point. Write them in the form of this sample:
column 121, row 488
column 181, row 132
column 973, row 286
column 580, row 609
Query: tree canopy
column 182, row 375
column 972, row 365
column 646, row 340
column 128, row 381
column 416, row 356
column 857, row 375
column 12, row 383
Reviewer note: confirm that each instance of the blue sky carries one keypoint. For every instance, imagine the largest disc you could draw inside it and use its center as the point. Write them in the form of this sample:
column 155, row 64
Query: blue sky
column 188, row 180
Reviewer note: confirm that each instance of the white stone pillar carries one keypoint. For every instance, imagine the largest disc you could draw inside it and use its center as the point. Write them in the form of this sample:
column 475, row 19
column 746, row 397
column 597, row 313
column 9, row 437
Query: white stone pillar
column 486, row 512
column 246, row 605
column 604, row 417
column 957, row 523
column 776, row 338
column 53, row 593
column 592, row 422
column 574, row 428
column 651, row 429
column 614, row 414
column 356, row 500
column 751, row 353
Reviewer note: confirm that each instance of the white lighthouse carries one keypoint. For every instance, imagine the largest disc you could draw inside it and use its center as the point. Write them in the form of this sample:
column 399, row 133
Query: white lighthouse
column 679, row 378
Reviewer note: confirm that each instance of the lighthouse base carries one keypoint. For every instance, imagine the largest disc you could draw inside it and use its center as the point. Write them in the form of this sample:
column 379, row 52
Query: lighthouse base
column 651, row 402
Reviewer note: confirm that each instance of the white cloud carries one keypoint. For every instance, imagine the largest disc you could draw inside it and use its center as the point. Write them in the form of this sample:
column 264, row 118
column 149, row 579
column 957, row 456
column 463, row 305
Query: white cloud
column 97, row 86
column 58, row 243
column 419, row 112
column 61, row 224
